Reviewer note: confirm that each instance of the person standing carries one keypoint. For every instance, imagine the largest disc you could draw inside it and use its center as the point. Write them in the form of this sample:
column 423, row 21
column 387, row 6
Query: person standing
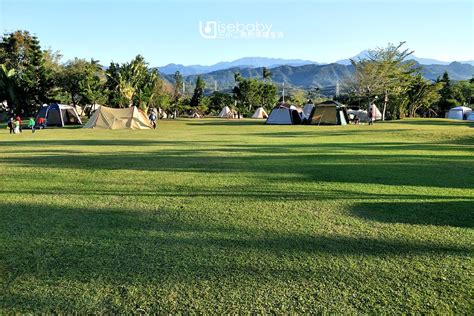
column 153, row 118
column 10, row 125
column 16, row 127
column 31, row 124
column 19, row 121
column 371, row 116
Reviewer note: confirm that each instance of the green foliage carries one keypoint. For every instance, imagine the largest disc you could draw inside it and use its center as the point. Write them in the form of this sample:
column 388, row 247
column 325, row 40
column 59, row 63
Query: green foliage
column 132, row 84
column 196, row 100
column 83, row 81
column 252, row 93
column 32, row 84
column 218, row 100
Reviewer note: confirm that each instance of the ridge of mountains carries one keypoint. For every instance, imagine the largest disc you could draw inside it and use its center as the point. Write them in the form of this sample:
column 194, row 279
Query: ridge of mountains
column 323, row 76
column 258, row 62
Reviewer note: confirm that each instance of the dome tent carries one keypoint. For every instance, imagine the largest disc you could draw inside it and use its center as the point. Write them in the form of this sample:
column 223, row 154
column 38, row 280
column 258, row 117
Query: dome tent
column 285, row 114
column 59, row 115
column 329, row 113
column 260, row 113
column 459, row 113
column 126, row 118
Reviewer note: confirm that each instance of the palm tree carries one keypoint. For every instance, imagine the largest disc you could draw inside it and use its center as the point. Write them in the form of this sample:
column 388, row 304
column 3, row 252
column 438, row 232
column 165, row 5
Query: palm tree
column 8, row 86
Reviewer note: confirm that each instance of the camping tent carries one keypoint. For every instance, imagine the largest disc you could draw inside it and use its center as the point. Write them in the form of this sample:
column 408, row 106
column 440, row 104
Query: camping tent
column 329, row 113
column 285, row 114
column 260, row 113
column 89, row 109
column 59, row 115
column 378, row 114
column 307, row 110
column 109, row 118
column 227, row 112
column 459, row 113
column 361, row 114
column 470, row 117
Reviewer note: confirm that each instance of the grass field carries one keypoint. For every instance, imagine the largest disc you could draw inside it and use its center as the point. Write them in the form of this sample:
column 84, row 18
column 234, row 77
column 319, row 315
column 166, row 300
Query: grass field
column 220, row 216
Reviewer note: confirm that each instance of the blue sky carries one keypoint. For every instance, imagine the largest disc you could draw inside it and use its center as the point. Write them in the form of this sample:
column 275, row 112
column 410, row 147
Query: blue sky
column 168, row 31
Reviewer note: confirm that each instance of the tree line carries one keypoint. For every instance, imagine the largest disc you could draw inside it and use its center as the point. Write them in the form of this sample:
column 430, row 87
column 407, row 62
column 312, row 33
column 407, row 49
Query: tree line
column 30, row 76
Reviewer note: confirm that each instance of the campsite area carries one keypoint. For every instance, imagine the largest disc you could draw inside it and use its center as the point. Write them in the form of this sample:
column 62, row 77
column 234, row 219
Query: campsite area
column 220, row 216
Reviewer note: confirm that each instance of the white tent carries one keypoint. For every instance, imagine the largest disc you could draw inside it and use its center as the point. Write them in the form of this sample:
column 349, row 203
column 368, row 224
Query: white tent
column 285, row 114
column 260, row 113
column 459, row 113
column 378, row 114
column 59, row 115
column 109, row 118
column 227, row 112
column 361, row 114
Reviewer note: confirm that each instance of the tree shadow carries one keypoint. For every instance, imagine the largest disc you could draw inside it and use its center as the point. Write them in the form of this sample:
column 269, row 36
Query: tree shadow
column 163, row 247
column 439, row 213
column 433, row 122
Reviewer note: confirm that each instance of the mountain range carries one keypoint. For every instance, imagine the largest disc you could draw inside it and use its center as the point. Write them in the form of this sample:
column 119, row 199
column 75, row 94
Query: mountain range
column 257, row 62
column 326, row 77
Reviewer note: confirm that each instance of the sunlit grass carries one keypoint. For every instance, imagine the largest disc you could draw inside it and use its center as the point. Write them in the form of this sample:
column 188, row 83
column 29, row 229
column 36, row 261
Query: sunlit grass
column 235, row 216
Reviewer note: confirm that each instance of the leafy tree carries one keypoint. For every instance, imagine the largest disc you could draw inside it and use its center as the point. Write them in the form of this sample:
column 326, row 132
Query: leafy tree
column 218, row 100
column 298, row 97
column 83, row 81
column 131, row 84
column 21, row 51
column 421, row 95
column 385, row 73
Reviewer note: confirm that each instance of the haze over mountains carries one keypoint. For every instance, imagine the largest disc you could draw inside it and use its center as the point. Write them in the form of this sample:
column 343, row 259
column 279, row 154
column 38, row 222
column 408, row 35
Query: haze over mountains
column 256, row 62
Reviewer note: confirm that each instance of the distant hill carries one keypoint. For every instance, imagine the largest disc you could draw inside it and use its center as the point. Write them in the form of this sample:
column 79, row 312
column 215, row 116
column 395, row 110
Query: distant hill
column 421, row 60
column 325, row 77
column 246, row 62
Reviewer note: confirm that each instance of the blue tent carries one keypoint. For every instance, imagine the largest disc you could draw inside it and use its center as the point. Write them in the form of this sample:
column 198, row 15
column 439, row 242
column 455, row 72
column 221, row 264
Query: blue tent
column 59, row 115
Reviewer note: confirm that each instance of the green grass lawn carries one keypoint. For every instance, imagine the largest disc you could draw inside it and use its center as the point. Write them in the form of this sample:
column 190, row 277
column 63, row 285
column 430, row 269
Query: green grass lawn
column 219, row 216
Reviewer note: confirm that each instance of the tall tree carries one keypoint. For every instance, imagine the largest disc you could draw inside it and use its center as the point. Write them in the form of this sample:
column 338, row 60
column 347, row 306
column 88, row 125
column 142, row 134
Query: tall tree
column 385, row 73
column 267, row 75
column 446, row 100
column 198, row 92
column 21, row 51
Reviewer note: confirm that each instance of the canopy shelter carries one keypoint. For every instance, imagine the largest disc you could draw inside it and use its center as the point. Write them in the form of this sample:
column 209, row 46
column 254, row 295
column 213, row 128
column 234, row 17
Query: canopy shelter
column 459, row 113
column 59, row 115
column 110, row 118
column 260, row 113
column 285, row 114
column 329, row 113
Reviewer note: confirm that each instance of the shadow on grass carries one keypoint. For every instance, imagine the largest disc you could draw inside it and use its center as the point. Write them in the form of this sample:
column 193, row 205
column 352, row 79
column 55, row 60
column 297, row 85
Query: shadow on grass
column 439, row 213
column 433, row 122
column 225, row 122
column 276, row 163
column 121, row 244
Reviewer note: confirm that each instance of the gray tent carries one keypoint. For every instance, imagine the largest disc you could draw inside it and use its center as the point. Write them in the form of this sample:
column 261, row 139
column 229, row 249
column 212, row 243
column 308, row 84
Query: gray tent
column 329, row 113
column 285, row 114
